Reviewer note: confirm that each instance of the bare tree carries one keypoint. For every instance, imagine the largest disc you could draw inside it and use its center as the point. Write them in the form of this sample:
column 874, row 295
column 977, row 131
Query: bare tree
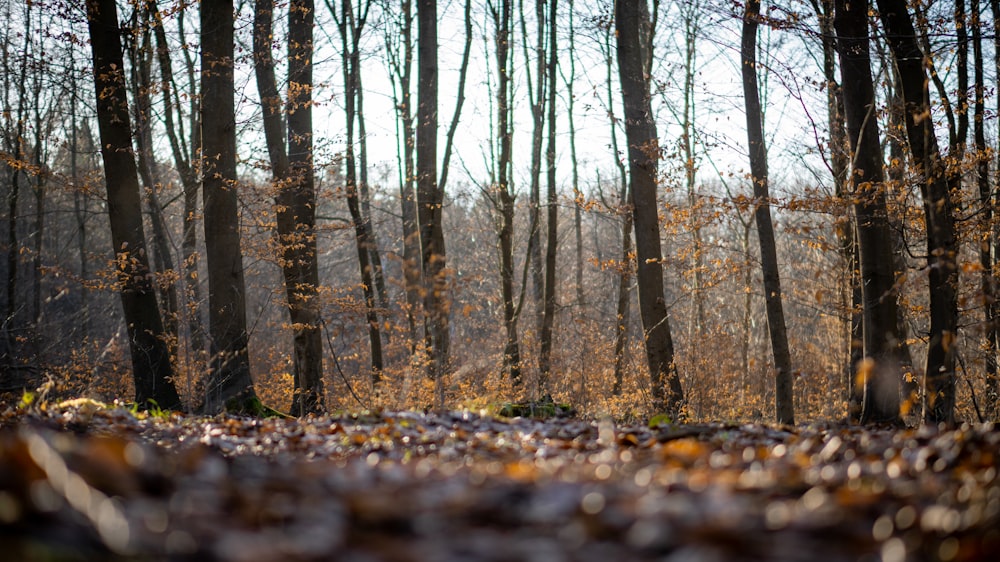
column 881, row 375
column 936, row 187
column 295, row 199
column 151, row 369
column 504, row 189
column 430, row 196
column 784, row 407
column 350, row 27
column 644, row 153
column 229, row 386
column 551, row 222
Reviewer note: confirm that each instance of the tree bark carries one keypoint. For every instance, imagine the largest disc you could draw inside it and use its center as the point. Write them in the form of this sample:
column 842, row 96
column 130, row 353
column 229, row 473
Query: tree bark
column 988, row 238
column 880, row 374
column 644, row 154
column 935, row 187
column 151, row 369
column 430, row 198
column 783, row 397
column 401, row 66
column 184, row 154
column 350, row 33
column 505, row 194
column 295, row 198
column 229, row 386
column 552, row 208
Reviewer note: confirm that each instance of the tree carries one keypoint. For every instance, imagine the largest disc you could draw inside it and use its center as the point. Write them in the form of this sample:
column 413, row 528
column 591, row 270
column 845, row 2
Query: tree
column 229, row 386
column 295, row 199
column 643, row 156
column 936, row 186
column 430, row 196
column 504, row 189
column 881, row 375
column 552, row 230
column 151, row 369
column 784, row 408
column 350, row 27
column 185, row 147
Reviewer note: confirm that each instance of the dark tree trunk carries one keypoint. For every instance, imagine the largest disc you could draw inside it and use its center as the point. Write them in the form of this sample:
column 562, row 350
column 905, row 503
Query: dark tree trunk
column 229, row 386
column 141, row 53
column 552, row 208
column 880, row 373
column 644, row 154
column 430, row 198
column 623, row 309
column 935, row 187
column 505, row 194
column 350, row 33
column 295, row 199
column 401, row 65
column 992, row 239
column 151, row 367
column 183, row 155
column 783, row 401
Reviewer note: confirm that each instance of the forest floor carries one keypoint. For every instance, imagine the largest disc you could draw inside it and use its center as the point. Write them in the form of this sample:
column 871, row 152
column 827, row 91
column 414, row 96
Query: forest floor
column 80, row 481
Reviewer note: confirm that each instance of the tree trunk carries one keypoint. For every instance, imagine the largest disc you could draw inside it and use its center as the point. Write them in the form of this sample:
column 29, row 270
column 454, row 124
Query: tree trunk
column 296, row 215
column 350, row 32
column 986, row 200
column 783, row 398
column 552, row 232
column 295, row 198
column 536, row 98
column 623, row 309
column 880, row 374
column 430, row 198
column 141, row 52
column 942, row 245
column 229, row 386
column 151, row 369
column 505, row 194
column 401, row 66
column 183, row 156
column 644, row 154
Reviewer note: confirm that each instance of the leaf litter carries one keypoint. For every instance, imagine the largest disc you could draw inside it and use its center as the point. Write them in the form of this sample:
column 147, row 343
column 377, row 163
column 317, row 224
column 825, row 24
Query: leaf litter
column 86, row 483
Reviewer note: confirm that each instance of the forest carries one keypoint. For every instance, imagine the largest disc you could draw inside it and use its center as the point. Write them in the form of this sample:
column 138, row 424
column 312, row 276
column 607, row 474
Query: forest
column 499, row 280
column 703, row 209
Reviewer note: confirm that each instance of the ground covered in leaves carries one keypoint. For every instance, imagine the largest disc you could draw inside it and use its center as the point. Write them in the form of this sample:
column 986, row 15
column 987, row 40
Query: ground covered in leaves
column 84, row 482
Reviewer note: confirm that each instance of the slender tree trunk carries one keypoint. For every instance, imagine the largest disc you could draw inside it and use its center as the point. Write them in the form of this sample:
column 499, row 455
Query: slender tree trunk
column 623, row 310
column 552, row 233
column 364, row 191
column 296, row 215
column 986, row 200
column 536, row 98
column 140, row 54
column 574, row 162
column 229, row 386
column 783, row 397
column 430, row 198
column 151, row 369
column 692, row 27
column 401, row 70
column 839, row 163
column 295, row 197
column 644, row 154
column 880, row 374
column 350, row 32
column 505, row 193
column 935, row 187
column 183, row 156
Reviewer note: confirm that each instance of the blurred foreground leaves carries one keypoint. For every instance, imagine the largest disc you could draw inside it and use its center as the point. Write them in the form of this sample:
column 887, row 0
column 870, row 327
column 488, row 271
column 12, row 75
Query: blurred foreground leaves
column 81, row 482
